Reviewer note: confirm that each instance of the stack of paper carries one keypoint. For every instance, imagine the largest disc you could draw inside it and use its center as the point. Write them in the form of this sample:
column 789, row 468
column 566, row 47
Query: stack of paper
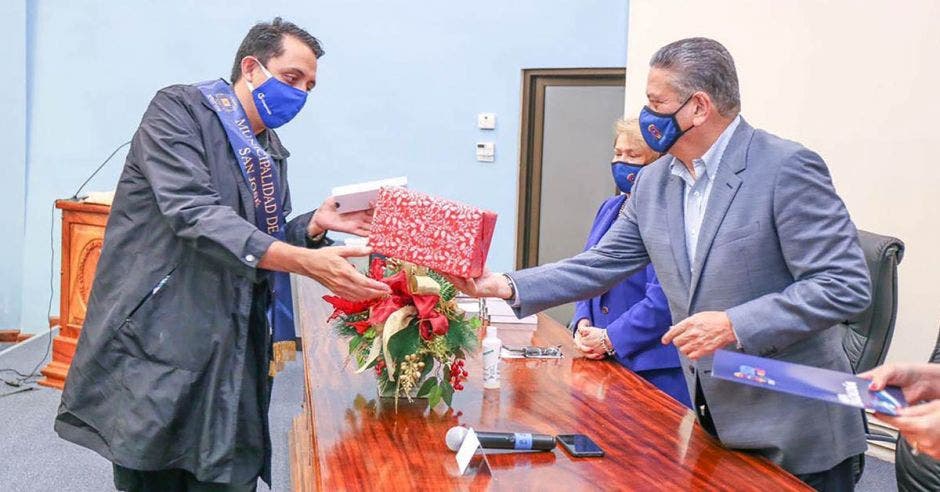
column 501, row 313
column 499, row 310
column 99, row 197
column 468, row 305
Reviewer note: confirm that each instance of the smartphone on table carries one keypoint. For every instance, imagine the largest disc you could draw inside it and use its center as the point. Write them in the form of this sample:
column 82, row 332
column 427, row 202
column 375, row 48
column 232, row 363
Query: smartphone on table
column 579, row 445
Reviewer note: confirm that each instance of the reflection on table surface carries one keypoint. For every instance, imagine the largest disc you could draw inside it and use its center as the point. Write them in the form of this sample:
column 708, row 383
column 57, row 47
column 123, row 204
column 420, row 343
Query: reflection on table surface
column 650, row 440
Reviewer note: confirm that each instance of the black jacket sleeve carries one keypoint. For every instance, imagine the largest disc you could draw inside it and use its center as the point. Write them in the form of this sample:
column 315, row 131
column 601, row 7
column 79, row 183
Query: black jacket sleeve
column 170, row 154
column 297, row 232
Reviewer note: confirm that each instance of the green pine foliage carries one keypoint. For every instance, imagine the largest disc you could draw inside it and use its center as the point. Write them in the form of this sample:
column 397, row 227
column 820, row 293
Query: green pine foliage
column 343, row 326
column 462, row 334
column 448, row 291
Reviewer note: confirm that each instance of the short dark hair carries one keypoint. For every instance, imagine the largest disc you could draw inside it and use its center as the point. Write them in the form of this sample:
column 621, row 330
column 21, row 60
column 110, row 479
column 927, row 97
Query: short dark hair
column 265, row 40
column 702, row 64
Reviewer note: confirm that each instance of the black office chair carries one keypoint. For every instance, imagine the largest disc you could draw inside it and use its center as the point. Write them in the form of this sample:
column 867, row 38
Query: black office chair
column 916, row 472
column 868, row 335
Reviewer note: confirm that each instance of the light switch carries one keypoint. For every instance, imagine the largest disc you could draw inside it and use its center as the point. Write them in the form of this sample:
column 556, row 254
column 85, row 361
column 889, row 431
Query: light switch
column 486, row 151
column 486, row 121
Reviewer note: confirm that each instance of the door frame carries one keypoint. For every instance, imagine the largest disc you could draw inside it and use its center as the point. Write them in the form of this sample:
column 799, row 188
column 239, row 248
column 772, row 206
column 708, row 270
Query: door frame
column 534, row 83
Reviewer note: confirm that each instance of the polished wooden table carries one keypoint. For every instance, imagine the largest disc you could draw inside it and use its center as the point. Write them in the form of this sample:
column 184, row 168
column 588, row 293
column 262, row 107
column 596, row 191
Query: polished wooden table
column 347, row 438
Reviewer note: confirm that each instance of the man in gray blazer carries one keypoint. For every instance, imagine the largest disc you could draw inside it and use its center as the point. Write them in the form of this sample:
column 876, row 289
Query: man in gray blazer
column 756, row 253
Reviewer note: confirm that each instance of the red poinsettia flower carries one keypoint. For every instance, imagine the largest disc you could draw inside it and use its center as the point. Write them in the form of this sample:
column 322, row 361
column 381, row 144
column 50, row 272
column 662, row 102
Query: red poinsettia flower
column 345, row 306
column 431, row 322
column 377, row 268
column 361, row 326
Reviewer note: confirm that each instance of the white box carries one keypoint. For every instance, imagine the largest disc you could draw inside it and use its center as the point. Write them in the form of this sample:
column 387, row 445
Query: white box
column 360, row 196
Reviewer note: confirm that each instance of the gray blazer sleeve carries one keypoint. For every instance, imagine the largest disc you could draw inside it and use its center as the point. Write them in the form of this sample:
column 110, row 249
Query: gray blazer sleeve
column 616, row 256
column 821, row 249
column 171, row 156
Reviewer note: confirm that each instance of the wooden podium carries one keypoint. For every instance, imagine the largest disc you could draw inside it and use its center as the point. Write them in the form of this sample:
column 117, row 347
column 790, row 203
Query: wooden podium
column 346, row 438
column 82, row 237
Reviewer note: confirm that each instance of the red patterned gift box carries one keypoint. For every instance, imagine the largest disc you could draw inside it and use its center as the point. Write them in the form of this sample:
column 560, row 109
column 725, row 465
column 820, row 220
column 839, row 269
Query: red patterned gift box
column 440, row 234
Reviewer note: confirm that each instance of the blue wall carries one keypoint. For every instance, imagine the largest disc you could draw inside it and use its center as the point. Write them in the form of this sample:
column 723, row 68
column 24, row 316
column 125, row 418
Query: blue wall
column 13, row 131
column 397, row 94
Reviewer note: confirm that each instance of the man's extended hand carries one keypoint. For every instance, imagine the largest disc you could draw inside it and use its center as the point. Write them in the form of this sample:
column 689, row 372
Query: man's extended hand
column 701, row 334
column 487, row 285
column 327, row 266
column 328, row 218
column 330, row 267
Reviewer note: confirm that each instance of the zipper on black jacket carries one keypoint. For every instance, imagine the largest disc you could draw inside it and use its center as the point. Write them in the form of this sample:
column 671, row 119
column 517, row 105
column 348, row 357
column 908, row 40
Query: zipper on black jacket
column 153, row 292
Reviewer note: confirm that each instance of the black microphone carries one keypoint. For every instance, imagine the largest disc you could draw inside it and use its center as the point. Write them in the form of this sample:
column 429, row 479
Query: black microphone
column 79, row 190
column 520, row 441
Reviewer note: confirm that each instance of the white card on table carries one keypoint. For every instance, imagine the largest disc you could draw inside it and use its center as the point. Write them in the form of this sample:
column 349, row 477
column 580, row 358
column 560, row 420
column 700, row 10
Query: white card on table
column 467, row 449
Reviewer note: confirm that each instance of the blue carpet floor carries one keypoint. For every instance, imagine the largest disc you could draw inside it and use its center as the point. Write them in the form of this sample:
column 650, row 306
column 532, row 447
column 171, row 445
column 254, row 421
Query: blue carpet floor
column 33, row 458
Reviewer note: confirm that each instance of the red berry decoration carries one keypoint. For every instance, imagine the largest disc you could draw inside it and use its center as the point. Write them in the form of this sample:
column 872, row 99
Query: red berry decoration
column 457, row 374
column 379, row 367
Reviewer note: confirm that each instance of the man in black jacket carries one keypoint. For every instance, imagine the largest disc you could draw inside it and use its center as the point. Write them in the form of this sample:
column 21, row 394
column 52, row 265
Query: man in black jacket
column 170, row 380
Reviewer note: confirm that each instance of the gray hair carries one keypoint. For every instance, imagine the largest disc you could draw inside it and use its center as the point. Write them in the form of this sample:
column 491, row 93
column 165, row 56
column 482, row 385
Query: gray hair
column 701, row 64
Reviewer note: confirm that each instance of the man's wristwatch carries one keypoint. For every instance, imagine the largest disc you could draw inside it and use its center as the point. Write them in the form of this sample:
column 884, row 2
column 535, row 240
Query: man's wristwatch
column 316, row 239
column 512, row 287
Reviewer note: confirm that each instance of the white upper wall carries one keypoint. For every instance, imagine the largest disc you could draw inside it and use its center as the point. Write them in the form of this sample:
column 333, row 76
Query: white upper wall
column 859, row 83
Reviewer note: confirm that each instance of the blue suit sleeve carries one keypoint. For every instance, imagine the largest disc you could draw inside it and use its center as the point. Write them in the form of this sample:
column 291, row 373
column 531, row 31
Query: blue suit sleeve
column 644, row 323
column 582, row 310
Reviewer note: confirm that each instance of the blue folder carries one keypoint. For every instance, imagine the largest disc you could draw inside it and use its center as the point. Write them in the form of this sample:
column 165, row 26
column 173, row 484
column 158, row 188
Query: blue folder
column 808, row 381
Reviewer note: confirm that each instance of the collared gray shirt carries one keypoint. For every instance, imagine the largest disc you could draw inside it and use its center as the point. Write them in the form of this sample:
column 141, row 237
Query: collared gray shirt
column 699, row 188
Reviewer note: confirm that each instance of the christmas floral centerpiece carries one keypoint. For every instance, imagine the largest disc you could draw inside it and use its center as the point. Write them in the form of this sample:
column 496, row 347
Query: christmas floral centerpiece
column 414, row 340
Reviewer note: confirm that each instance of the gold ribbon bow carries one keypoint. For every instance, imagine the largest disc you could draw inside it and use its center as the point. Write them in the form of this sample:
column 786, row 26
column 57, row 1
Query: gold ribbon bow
column 419, row 283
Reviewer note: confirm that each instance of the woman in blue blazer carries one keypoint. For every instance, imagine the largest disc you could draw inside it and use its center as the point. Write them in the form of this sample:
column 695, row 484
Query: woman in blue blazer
column 628, row 321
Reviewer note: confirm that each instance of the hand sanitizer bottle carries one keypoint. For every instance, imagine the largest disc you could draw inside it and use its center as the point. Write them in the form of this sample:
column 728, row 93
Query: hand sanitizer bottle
column 492, row 347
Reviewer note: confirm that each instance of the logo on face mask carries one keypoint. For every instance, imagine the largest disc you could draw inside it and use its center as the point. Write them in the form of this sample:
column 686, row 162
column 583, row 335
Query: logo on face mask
column 625, row 174
column 261, row 99
column 661, row 130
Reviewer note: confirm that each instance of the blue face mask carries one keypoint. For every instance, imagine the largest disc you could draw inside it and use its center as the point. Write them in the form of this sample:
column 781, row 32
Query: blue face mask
column 661, row 130
column 277, row 102
column 625, row 174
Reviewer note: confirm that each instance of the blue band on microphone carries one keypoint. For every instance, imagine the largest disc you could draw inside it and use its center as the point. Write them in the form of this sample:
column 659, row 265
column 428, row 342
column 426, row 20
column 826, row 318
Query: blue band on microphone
column 523, row 441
